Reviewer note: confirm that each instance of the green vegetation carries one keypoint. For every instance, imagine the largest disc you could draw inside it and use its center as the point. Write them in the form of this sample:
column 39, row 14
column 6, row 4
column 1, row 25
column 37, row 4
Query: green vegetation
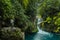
column 17, row 13
column 22, row 12
column 50, row 12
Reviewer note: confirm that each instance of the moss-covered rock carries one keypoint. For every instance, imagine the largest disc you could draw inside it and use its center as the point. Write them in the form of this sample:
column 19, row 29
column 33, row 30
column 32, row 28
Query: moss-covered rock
column 11, row 33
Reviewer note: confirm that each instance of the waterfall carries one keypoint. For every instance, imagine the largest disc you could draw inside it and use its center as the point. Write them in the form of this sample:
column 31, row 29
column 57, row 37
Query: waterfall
column 38, row 27
column 40, row 35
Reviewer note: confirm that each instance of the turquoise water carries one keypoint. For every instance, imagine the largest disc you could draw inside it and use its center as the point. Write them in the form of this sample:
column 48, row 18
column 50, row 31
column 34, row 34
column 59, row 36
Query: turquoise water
column 41, row 35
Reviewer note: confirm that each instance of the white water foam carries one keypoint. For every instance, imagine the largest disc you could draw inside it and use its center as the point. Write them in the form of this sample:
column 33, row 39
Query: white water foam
column 38, row 27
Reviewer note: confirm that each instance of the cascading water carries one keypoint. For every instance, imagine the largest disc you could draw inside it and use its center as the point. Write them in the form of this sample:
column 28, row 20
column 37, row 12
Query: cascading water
column 38, row 27
column 41, row 35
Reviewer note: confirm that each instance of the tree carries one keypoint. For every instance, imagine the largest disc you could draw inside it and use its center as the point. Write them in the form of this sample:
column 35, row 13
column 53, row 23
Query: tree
column 18, row 13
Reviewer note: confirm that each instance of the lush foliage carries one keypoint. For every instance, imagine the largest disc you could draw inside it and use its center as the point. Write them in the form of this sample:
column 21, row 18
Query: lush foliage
column 17, row 13
column 50, row 12
column 22, row 12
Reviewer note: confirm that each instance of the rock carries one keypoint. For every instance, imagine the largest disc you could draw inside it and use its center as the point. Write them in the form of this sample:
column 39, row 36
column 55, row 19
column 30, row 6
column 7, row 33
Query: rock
column 11, row 33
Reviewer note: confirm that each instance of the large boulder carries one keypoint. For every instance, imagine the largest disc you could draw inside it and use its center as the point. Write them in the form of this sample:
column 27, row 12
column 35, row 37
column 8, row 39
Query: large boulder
column 11, row 33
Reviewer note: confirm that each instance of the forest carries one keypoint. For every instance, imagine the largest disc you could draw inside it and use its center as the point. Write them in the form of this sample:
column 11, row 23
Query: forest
column 18, row 17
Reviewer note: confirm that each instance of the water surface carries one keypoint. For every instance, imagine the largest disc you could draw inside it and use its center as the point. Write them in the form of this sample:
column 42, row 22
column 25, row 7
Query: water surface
column 39, row 36
column 42, row 35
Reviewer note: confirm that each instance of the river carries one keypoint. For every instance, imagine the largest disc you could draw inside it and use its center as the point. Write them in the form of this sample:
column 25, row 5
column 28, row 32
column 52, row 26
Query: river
column 42, row 35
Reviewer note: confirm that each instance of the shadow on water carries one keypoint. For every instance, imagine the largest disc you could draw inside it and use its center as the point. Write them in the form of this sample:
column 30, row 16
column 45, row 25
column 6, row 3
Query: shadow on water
column 41, row 35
